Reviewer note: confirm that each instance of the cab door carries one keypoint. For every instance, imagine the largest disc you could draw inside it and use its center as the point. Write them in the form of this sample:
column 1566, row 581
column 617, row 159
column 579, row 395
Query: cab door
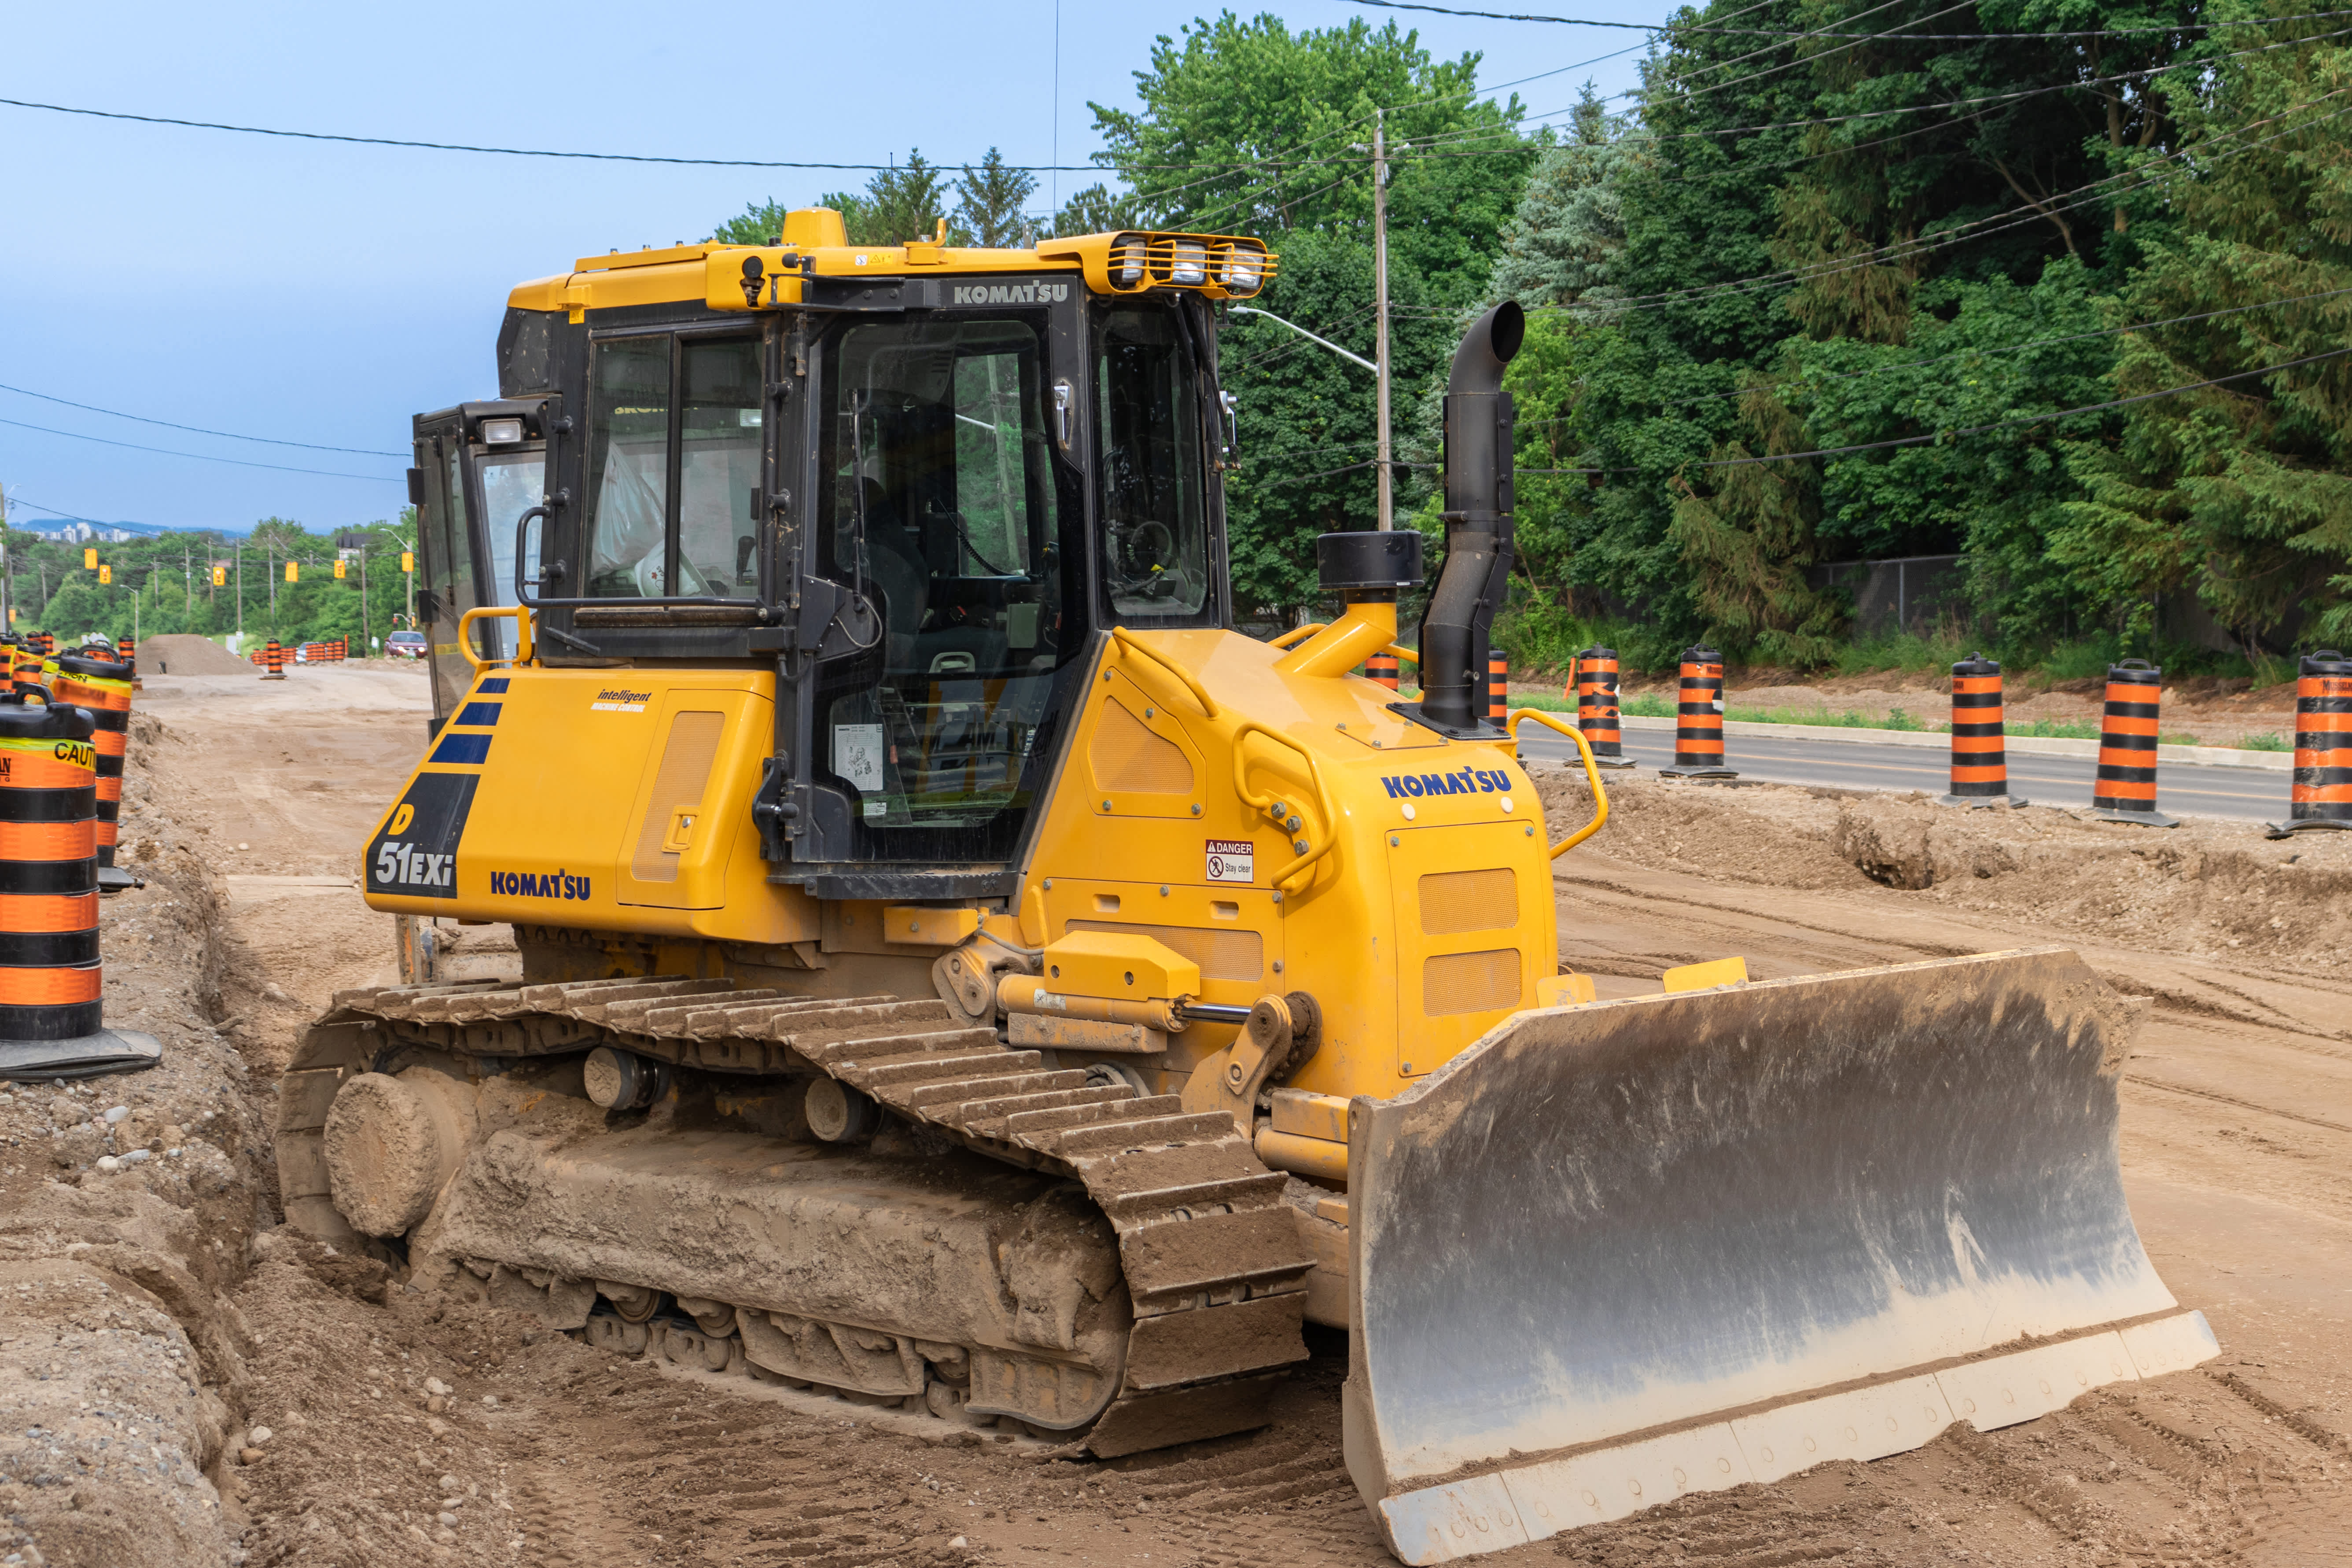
column 444, row 556
column 506, row 476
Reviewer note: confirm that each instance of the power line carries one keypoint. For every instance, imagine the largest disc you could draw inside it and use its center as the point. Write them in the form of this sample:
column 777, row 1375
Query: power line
column 1940, row 435
column 2013, row 424
column 1901, row 251
column 1825, row 33
column 590, row 157
column 197, row 429
column 199, row 457
column 1803, row 382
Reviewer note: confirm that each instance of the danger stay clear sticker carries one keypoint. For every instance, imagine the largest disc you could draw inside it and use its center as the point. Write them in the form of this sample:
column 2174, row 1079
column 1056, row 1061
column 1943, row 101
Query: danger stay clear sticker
column 1232, row 860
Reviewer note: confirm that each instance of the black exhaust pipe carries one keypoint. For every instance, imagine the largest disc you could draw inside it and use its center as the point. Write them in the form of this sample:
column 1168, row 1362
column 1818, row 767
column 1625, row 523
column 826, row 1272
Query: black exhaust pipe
column 1478, row 504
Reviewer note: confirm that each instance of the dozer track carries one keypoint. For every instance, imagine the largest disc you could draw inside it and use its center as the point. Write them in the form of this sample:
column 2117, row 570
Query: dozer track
column 1210, row 1254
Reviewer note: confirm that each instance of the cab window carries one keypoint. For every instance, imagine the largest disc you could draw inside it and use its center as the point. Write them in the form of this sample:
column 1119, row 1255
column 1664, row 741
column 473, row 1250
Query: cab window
column 1153, row 519
column 673, row 468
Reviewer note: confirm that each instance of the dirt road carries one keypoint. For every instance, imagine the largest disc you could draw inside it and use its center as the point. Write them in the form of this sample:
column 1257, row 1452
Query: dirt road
column 404, row 1428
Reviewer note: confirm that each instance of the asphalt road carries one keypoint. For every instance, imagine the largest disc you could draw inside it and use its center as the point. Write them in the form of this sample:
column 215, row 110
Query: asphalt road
column 2247, row 794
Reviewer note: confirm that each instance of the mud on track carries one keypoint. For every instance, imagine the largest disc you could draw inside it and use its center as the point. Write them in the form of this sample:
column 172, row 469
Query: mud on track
column 2238, row 1154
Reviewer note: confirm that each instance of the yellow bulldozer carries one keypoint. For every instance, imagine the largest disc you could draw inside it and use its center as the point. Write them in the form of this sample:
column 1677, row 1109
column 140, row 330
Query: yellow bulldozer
column 960, row 971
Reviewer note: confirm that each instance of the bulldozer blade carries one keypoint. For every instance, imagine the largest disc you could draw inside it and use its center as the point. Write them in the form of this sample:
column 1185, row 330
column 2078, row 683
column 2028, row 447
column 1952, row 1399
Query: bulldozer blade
column 1617, row 1253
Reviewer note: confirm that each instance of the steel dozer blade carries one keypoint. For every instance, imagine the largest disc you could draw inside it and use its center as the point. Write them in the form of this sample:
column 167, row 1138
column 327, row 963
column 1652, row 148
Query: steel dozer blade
column 1616, row 1253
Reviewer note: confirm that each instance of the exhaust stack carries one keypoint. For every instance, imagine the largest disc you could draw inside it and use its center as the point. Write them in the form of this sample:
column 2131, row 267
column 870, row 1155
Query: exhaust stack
column 1478, row 503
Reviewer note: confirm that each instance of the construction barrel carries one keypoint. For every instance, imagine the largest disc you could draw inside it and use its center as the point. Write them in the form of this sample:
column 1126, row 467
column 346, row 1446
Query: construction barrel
column 1381, row 669
column 1698, row 718
column 1593, row 684
column 49, row 873
column 273, row 660
column 2125, row 787
column 2321, row 792
column 1498, row 688
column 102, row 686
column 1979, row 736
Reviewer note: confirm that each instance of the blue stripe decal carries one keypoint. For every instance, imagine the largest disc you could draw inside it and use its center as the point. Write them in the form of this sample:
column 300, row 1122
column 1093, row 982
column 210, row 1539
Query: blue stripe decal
column 484, row 714
column 492, row 685
column 464, row 750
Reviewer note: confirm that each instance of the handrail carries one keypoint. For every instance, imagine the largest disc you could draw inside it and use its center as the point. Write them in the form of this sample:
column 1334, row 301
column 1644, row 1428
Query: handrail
column 1128, row 643
column 523, row 645
column 1297, row 634
column 1330, row 824
column 1405, row 654
column 1592, row 771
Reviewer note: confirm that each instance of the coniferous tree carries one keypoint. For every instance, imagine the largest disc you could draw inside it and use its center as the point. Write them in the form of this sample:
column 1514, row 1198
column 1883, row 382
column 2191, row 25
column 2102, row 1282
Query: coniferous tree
column 2241, row 492
column 990, row 202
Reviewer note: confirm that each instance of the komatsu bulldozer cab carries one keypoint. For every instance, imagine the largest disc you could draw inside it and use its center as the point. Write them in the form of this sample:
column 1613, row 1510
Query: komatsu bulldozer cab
column 912, row 481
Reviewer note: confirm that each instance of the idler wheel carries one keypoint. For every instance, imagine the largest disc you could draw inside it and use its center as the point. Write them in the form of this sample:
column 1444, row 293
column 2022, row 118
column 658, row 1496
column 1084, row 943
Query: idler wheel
column 634, row 1303
column 622, row 1080
column 838, row 1113
column 392, row 1143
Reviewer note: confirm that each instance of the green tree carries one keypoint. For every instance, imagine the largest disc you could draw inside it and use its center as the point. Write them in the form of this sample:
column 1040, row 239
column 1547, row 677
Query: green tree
column 989, row 203
column 1095, row 210
column 900, row 203
column 2240, row 492
column 760, row 223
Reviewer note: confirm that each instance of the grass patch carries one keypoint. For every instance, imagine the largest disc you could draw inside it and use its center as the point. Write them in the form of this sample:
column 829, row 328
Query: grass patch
column 1904, row 652
column 2264, row 742
column 2053, row 729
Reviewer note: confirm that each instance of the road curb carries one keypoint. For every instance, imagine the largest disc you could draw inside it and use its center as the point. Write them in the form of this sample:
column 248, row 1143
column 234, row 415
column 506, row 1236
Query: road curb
column 2048, row 746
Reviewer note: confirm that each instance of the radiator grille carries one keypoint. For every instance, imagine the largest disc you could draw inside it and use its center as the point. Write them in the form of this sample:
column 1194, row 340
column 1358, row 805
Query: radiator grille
column 1470, row 982
column 1469, row 900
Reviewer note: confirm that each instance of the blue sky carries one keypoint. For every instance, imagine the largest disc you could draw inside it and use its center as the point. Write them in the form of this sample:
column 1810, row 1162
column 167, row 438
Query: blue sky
column 323, row 293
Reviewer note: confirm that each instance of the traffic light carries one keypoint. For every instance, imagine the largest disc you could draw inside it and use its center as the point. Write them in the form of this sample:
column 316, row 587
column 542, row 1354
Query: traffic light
column 293, row 572
column 408, row 561
column 220, row 576
column 339, row 571
column 106, row 573
column 89, row 558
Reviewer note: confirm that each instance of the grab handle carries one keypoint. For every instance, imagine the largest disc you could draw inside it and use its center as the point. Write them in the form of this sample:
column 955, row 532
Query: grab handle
column 1592, row 771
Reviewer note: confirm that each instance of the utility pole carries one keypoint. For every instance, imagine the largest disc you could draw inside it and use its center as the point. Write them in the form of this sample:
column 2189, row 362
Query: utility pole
column 1381, row 304
column 366, row 641
column 240, row 594
column 7, row 580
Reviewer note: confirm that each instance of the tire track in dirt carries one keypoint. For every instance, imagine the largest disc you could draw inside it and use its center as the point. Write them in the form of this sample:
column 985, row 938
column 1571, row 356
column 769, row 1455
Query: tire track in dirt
column 610, row 1464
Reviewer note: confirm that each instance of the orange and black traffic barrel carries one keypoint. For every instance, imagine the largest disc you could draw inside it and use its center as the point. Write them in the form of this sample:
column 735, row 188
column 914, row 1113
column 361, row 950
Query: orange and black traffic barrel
column 101, row 686
column 49, row 873
column 273, row 660
column 1498, row 688
column 1979, row 736
column 1381, row 669
column 2321, row 792
column 1698, row 718
column 127, row 652
column 1594, row 686
column 2125, row 787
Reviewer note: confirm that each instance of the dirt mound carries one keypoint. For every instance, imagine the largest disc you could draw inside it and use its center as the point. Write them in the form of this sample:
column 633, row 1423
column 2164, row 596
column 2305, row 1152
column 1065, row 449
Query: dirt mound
column 125, row 1203
column 181, row 654
column 2206, row 887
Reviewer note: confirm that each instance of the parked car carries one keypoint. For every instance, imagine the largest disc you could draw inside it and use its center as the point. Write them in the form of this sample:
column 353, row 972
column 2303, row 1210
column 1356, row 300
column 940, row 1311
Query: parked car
column 405, row 645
